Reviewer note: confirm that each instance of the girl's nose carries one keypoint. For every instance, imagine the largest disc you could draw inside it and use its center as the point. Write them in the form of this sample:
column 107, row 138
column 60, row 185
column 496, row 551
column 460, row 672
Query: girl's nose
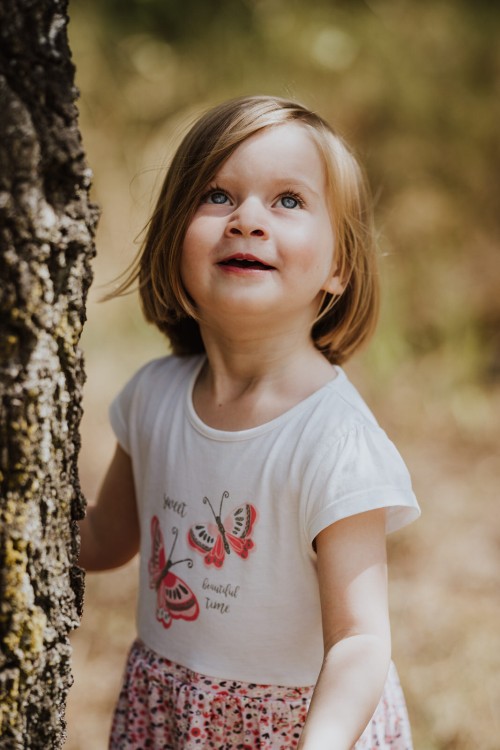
column 247, row 221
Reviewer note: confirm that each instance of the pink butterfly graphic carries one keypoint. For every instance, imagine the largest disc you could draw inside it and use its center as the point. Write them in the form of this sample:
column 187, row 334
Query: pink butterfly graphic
column 175, row 600
column 214, row 541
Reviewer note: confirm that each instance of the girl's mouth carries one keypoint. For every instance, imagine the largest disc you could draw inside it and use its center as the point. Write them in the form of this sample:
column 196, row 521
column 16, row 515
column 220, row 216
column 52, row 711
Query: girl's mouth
column 245, row 262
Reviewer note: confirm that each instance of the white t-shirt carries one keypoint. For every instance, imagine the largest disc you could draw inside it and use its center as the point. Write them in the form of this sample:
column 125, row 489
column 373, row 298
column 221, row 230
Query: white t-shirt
column 228, row 583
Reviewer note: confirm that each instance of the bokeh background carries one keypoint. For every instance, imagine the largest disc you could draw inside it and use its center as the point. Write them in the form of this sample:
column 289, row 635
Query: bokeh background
column 414, row 87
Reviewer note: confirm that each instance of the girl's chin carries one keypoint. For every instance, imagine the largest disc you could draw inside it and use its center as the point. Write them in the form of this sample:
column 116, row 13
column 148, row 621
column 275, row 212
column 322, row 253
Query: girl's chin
column 247, row 314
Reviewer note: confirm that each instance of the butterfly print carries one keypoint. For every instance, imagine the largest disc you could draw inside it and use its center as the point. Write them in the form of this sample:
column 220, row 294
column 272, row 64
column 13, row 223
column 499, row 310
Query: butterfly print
column 215, row 541
column 174, row 598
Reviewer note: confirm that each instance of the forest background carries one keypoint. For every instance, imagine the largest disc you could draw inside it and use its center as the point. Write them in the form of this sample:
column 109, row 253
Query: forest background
column 414, row 87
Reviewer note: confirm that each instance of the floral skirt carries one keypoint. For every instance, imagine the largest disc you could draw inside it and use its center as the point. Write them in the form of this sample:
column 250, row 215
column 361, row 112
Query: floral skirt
column 164, row 706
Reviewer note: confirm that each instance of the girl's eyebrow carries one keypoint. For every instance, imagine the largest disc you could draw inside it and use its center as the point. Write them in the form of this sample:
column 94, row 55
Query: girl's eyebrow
column 295, row 182
column 279, row 182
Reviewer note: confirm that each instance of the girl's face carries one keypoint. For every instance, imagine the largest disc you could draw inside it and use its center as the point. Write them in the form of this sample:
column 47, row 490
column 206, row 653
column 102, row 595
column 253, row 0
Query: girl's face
column 261, row 242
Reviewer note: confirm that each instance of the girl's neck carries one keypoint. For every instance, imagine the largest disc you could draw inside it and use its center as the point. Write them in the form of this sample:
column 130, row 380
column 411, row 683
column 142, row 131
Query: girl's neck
column 247, row 382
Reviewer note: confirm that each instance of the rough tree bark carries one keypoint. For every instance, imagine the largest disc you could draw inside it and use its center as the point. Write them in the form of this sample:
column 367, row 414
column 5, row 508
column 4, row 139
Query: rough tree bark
column 46, row 242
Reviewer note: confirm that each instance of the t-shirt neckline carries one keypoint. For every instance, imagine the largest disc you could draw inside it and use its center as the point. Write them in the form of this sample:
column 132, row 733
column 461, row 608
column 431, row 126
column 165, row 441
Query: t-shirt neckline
column 252, row 432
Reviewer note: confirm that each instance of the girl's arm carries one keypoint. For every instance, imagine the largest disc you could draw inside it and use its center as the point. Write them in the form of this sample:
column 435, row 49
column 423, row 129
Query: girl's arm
column 110, row 530
column 352, row 574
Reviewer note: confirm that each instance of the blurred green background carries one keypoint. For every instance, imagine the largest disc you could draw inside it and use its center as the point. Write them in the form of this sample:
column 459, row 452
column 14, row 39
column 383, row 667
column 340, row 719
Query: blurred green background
column 414, row 88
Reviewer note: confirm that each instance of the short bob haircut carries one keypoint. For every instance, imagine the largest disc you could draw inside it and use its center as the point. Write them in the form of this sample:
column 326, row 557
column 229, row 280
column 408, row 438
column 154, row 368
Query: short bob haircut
column 343, row 322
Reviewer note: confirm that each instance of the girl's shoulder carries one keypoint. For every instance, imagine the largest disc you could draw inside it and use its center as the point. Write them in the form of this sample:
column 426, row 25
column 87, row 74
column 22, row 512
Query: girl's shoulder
column 353, row 465
column 343, row 429
column 157, row 380
column 162, row 370
column 342, row 399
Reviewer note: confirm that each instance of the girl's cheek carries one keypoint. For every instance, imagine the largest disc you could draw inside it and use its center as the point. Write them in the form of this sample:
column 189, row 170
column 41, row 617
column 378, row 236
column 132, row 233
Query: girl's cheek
column 196, row 235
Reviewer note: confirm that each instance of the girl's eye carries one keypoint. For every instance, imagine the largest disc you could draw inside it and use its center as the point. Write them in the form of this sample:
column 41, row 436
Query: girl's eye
column 218, row 197
column 291, row 201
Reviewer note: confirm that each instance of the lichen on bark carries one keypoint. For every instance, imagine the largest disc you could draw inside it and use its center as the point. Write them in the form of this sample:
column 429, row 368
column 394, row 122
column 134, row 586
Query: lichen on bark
column 47, row 227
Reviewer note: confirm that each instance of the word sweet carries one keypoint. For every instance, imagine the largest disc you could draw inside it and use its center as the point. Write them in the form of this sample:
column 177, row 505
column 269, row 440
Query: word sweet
column 175, row 505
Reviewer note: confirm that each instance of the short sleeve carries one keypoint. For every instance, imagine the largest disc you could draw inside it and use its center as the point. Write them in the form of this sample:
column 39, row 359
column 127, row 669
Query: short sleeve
column 360, row 471
column 120, row 410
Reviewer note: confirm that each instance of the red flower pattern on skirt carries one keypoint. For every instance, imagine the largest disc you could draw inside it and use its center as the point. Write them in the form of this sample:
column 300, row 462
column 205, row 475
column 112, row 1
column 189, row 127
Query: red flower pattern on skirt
column 164, row 706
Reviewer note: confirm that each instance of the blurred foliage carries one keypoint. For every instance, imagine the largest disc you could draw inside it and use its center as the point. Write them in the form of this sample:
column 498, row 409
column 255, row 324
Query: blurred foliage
column 413, row 86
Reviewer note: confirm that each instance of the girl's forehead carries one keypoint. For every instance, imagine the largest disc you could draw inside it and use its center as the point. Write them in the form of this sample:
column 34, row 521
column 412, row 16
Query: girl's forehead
column 288, row 146
column 284, row 135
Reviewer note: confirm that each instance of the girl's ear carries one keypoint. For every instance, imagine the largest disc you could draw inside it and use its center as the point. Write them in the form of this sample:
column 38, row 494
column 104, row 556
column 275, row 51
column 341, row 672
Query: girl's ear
column 334, row 284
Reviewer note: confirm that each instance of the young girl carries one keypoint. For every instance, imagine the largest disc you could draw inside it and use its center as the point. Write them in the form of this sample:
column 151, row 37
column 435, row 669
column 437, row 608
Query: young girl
column 249, row 473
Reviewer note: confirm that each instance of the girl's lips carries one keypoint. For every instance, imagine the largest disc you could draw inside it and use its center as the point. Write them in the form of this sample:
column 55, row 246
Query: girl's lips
column 245, row 262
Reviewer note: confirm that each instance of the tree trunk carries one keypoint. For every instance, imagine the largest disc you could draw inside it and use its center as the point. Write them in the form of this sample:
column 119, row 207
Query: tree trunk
column 46, row 244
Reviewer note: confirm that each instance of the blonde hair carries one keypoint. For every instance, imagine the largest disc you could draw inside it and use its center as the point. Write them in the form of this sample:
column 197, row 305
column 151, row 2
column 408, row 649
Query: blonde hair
column 344, row 322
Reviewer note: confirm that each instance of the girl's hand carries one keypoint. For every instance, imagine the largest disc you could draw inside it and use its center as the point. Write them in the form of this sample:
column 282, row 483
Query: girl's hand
column 110, row 530
column 352, row 575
